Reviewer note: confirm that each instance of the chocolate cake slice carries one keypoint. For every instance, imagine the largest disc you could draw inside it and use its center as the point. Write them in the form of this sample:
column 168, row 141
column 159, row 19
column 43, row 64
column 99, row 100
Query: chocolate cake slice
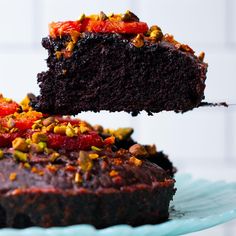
column 59, row 171
column 116, row 190
column 117, row 63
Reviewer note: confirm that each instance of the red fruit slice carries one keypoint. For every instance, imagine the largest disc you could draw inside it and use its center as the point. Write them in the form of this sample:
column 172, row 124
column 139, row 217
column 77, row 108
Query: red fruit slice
column 119, row 27
column 21, row 121
column 62, row 28
column 7, row 138
column 82, row 142
column 96, row 26
column 7, row 107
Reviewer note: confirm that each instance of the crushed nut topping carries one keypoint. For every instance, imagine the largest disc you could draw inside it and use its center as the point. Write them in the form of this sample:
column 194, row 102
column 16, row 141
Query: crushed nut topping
column 138, row 150
column 93, row 156
column 20, row 144
column 151, row 149
column 135, row 161
column 1, row 153
column 20, row 156
column 96, row 148
column 12, row 176
column 201, row 56
column 121, row 133
column 84, row 161
column 78, row 178
column 39, row 137
column 138, row 41
column 102, row 16
column 129, row 17
column 113, row 173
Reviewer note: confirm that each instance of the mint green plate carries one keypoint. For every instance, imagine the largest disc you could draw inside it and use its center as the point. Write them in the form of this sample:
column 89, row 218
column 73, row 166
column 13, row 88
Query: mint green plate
column 197, row 205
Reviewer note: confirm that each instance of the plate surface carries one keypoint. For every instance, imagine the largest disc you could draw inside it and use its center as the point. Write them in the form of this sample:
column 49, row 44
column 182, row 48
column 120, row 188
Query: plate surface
column 198, row 204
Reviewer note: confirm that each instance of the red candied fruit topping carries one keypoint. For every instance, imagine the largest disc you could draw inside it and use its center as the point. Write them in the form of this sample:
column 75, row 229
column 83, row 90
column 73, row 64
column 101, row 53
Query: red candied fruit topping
column 21, row 121
column 96, row 25
column 82, row 142
column 7, row 138
column 119, row 27
column 24, row 124
column 62, row 28
column 7, row 106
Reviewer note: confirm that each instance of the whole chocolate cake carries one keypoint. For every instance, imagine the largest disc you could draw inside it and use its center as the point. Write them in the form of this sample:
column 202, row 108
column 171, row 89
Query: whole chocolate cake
column 59, row 171
column 117, row 63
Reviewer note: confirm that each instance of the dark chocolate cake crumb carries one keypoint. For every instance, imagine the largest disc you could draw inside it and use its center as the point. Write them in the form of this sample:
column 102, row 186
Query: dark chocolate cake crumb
column 105, row 71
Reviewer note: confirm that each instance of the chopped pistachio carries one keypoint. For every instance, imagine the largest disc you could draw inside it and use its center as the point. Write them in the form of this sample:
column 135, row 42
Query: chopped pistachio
column 70, row 131
column 39, row 137
column 82, row 17
column 156, row 35
column 48, row 121
column 12, row 176
column 42, row 145
column 54, row 156
column 78, row 178
column 113, row 173
column 135, row 161
column 110, row 15
column 96, row 148
column 138, row 150
column 1, row 153
column 25, row 104
column 70, row 46
column 201, row 56
column 129, row 16
column 48, row 150
column 20, row 156
column 28, row 141
column 102, row 16
column 50, row 128
column 20, row 144
column 13, row 130
column 84, row 161
column 74, row 36
column 154, row 27
column 38, row 147
column 10, row 123
column 38, row 121
column 151, row 149
column 58, row 54
column 36, row 126
column 83, row 129
column 60, row 129
column 138, row 41
column 27, row 165
column 8, row 99
column 123, row 133
column 93, row 156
